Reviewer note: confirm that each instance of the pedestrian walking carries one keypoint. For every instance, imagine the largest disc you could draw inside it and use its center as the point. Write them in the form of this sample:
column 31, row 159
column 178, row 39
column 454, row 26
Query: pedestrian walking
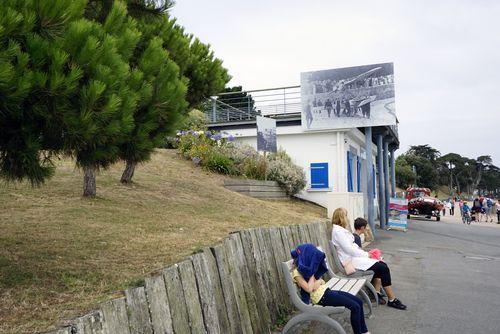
column 497, row 206
column 447, row 206
column 452, row 210
column 489, row 210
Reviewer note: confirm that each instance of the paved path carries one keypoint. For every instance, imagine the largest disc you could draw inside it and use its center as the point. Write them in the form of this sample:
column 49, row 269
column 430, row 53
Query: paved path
column 447, row 273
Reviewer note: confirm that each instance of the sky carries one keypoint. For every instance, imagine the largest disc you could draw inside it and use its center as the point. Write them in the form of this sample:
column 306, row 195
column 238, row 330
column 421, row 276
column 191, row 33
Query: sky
column 446, row 56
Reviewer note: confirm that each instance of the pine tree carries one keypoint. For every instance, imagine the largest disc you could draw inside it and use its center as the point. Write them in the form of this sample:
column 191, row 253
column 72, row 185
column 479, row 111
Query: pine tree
column 161, row 102
column 35, row 77
column 196, row 61
column 101, row 113
column 157, row 115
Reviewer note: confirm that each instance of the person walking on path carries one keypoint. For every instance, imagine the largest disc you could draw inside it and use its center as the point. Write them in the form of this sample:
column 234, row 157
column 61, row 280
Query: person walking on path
column 497, row 206
column 452, row 210
column 489, row 209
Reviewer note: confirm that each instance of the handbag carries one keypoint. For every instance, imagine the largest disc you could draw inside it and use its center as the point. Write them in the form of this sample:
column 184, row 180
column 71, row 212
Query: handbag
column 349, row 268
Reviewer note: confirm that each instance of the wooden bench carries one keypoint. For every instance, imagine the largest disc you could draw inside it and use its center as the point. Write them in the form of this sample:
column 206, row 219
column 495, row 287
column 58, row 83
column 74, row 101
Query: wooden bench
column 316, row 312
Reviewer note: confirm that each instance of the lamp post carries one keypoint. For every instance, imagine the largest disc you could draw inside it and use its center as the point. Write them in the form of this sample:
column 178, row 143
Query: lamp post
column 451, row 166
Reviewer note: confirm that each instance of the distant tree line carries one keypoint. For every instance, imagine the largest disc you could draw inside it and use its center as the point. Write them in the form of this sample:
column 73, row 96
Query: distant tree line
column 97, row 80
column 424, row 166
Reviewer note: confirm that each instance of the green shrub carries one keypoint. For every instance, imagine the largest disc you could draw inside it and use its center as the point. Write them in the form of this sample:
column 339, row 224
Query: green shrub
column 254, row 167
column 194, row 120
column 288, row 175
column 215, row 161
column 220, row 154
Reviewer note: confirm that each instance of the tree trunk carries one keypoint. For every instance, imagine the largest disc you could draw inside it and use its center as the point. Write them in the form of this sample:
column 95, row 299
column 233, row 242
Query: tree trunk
column 128, row 173
column 89, row 187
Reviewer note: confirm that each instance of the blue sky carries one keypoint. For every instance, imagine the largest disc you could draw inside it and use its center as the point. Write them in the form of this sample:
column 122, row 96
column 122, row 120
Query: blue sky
column 446, row 56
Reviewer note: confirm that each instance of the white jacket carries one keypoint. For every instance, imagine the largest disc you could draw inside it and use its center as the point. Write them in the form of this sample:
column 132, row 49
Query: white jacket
column 349, row 251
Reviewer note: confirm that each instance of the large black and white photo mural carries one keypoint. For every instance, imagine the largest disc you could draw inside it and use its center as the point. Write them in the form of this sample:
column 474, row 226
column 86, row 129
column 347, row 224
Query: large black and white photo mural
column 348, row 97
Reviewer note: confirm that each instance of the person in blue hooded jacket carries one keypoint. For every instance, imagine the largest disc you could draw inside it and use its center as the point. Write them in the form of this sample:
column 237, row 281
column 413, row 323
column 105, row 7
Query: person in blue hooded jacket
column 309, row 267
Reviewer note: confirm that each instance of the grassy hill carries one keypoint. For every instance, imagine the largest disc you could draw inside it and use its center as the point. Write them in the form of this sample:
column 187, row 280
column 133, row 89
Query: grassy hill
column 61, row 254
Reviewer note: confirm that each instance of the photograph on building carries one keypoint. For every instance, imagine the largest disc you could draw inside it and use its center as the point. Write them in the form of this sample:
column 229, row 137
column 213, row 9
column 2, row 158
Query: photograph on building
column 266, row 134
column 348, row 97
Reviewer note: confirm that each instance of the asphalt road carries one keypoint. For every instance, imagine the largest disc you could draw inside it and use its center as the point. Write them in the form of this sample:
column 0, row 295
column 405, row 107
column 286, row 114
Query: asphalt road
column 447, row 273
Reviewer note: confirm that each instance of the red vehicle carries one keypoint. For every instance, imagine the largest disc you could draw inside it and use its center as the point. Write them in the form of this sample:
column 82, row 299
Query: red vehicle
column 420, row 203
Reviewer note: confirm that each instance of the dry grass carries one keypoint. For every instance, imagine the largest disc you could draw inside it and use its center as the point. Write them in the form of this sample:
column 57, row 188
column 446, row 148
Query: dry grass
column 61, row 254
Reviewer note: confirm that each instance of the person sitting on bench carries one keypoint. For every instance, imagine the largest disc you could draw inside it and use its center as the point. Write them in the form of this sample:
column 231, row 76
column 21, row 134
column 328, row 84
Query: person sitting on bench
column 359, row 229
column 349, row 252
column 308, row 267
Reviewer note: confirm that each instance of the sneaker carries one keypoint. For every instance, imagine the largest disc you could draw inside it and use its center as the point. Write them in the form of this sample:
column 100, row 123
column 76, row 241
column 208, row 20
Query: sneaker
column 381, row 300
column 396, row 303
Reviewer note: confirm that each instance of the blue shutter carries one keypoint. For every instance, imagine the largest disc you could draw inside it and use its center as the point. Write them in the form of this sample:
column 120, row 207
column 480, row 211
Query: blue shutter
column 349, row 172
column 319, row 175
column 374, row 182
column 358, row 169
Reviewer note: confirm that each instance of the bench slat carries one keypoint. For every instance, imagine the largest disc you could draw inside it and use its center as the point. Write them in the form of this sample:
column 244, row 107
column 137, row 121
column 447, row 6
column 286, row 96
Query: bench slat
column 356, row 287
column 332, row 282
column 339, row 284
column 349, row 285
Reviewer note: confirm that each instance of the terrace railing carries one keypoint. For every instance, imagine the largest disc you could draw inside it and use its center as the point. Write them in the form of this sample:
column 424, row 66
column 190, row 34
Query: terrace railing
column 246, row 105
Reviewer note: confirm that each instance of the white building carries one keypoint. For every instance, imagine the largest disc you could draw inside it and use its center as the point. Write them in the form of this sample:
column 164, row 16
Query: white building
column 335, row 161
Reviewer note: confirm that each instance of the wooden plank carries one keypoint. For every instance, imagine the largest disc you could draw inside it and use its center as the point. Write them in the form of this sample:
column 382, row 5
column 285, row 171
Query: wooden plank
column 115, row 316
column 249, row 182
column 206, row 289
column 156, row 294
column 296, row 235
column 348, row 285
column 253, row 256
column 65, row 330
column 279, row 252
column 270, row 269
column 340, row 284
column 176, row 300
column 255, row 188
column 356, row 287
column 304, row 234
column 188, row 280
column 227, row 289
column 222, row 312
column 313, row 229
column 263, row 268
column 323, row 241
column 241, row 268
column 332, row 281
column 138, row 311
column 286, row 237
column 93, row 323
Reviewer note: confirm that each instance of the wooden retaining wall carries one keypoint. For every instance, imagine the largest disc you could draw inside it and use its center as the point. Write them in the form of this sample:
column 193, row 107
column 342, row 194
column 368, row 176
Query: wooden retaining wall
column 234, row 287
column 256, row 188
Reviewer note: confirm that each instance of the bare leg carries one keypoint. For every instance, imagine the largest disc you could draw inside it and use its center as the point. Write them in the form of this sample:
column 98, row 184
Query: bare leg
column 377, row 284
column 389, row 292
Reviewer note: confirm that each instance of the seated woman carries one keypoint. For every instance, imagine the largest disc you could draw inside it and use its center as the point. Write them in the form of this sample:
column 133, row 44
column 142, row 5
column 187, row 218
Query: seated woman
column 309, row 266
column 348, row 251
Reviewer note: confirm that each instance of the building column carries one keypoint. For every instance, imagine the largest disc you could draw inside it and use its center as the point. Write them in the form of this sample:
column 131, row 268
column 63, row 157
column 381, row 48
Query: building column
column 381, row 181
column 386, row 179
column 393, row 173
column 369, row 178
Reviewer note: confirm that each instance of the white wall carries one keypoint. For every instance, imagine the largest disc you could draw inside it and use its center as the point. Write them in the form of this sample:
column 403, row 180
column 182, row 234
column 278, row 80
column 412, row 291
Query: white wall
column 322, row 146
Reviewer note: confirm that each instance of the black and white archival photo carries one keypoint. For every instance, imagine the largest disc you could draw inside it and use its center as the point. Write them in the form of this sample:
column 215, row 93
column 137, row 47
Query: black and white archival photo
column 348, row 97
column 266, row 134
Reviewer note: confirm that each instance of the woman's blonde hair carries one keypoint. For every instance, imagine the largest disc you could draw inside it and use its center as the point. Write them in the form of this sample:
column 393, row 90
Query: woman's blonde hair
column 340, row 217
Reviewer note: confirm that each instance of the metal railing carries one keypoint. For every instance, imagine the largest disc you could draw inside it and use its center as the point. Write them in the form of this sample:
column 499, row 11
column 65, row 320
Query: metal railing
column 246, row 105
